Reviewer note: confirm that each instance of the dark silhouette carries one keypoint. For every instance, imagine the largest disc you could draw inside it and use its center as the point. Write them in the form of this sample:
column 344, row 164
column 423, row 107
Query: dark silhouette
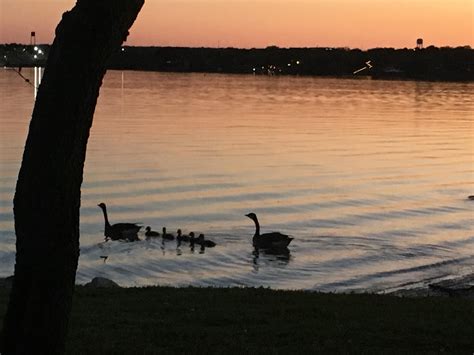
column 431, row 63
column 204, row 242
column 167, row 236
column 182, row 237
column 47, row 197
column 273, row 240
column 192, row 241
column 150, row 234
column 452, row 291
column 119, row 231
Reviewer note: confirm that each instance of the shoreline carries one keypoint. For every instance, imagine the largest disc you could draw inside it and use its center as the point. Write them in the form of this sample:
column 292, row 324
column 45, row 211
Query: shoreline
column 456, row 286
column 258, row 320
column 341, row 77
column 445, row 64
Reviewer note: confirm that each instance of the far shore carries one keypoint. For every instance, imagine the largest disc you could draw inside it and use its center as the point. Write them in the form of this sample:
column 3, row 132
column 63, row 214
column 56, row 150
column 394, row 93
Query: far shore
column 423, row 64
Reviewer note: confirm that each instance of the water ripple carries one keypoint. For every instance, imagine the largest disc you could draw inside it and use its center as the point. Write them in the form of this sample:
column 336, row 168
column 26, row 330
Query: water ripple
column 371, row 178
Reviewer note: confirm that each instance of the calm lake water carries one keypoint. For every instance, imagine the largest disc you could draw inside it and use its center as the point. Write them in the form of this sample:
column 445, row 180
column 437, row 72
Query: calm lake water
column 370, row 177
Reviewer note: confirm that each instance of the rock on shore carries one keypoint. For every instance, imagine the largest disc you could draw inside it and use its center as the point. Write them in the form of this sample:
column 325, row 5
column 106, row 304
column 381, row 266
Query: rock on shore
column 101, row 282
column 456, row 287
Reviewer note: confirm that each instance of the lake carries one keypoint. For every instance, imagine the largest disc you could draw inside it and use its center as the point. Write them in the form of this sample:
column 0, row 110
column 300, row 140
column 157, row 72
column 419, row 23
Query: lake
column 370, row 177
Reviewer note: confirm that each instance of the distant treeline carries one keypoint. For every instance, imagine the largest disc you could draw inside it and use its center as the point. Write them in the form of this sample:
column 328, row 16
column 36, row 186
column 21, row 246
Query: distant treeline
column 431, row 63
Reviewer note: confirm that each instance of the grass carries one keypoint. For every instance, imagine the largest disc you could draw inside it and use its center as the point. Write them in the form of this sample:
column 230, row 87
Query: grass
column 250, row 321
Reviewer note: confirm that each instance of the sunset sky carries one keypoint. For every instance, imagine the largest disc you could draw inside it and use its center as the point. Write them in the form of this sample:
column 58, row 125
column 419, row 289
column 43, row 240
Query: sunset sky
column 259, row 23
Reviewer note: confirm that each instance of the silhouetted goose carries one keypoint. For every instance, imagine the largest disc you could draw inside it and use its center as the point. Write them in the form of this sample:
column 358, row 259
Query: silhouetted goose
column 167, row 236
column 182, row 237
column 205, row 243
column 273, row 240
column 150, row 234
column 119, row 231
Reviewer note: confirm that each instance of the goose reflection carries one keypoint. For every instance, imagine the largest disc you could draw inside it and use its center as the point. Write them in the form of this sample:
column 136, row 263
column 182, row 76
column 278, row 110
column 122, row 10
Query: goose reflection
column 275, row 257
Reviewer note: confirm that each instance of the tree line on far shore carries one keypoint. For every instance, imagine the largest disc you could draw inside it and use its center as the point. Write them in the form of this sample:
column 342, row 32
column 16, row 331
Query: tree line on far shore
column 431, row 63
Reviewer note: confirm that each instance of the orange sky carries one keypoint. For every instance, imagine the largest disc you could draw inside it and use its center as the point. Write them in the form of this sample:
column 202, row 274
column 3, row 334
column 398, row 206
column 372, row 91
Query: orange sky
column 259, row 23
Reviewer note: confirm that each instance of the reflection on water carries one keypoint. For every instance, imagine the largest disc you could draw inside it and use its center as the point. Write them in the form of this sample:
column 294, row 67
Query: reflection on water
column 370, row 177
column 270, row 257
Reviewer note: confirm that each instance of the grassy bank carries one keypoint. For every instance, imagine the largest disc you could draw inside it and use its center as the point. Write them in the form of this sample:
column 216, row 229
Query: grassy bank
column 193, row 320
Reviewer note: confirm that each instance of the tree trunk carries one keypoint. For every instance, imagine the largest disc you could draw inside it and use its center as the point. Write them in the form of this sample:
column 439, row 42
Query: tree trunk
column 47, row 198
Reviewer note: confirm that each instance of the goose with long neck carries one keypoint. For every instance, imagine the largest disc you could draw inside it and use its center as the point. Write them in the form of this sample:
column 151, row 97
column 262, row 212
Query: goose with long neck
column 119, row 231
column 273, row 240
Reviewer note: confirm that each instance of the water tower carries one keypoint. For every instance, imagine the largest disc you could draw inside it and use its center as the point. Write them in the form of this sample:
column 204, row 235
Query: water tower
column 419, row 43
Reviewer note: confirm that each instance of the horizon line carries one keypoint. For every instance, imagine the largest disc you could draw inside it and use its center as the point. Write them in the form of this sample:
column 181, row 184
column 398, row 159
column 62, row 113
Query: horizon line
column 466, row 46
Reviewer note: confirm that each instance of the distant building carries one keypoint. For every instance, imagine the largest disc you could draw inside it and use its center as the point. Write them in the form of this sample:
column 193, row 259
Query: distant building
column 419, row 43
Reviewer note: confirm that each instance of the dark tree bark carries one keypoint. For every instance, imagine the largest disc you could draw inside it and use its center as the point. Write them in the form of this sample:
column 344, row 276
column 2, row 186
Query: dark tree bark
column 47, row 198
